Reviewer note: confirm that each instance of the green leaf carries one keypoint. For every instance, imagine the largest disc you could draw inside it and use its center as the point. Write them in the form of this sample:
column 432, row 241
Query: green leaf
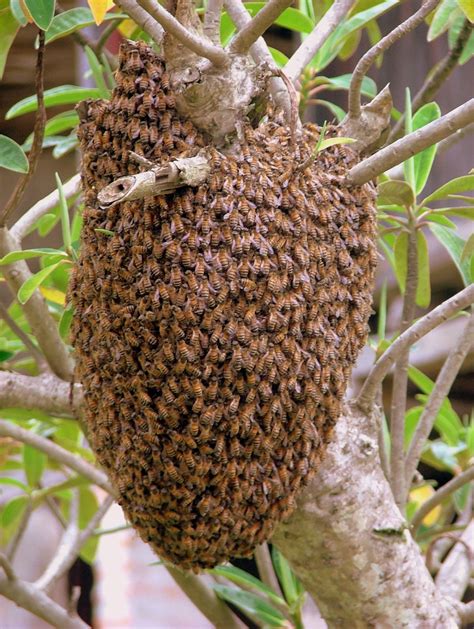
column 26, row 254
column 334, row 142
column 64, row 213
column 16, row 483
column 423, row 161
column 289, row 583
column 65, row 321
column 252, row 604
column 34, row 463
column 454, row 246
column 337, row 111
column 17, row 12
column 400, row 250
column 88, row 505
column 470, row 438
column 423, row 287
column 426, row 385
column 468, row 50
column 409, row 164
column 442, row 19
column 61, row 95
column 395, row 192
column 461, row 496
column 65, row 145
column 455, row 29
column 42, row 12
column 240, row 577
column 73, row 20
column 280, row 59
column 412, row 417
column 468, row 249
column 8, row 30
column 107, row 232
column 46, row 223
column 382, row 312
column 463, row 212
column 342, row 82
column 460, row 184
column 442, row 220
column 13, row 510
column 97, row 72
column 32, row 283
column 350, row 45
column 12, row 156
column 467, row 7
column 440, row 456
column 57, row 124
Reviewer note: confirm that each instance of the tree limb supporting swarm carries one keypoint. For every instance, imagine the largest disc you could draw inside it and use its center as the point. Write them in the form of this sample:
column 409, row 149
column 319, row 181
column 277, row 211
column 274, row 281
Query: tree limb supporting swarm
column 350, row 546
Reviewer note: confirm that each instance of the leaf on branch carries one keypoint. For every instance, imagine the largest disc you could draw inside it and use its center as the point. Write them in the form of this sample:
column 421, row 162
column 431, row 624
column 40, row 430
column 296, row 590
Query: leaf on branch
column 454, row 245
column 240, row 577
column 394, row 192
column 99, row 8
column 291, row 586
column 12, row 156
column 423, row 287
column 252, row 604
column 26, row 254
column 420, row 495
column 42, row 12
column 34, row 463
column 400, row 250
column 423, row 162
column 73, row 20
column 61, row 95
column 33, row 282
column 442, row 18
column 460, row 184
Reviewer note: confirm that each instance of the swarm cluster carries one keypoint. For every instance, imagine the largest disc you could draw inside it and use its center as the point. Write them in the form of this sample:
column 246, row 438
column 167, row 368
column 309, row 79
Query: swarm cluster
column 215, row 329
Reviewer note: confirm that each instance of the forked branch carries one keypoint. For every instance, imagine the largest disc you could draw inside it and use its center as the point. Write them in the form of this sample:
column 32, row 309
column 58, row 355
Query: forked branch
column 384, row 44
column 249, row 34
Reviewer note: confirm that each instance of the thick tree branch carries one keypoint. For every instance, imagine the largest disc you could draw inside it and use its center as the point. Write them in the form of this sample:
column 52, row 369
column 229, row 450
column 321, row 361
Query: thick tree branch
column 443, row 384
column 260, row 54
column 249, row 34
column 36, row 311
column 38, row 135
column 310, row 46
column 212, row 20
column 411, row 144
column 455, row 571
column 198, row 45
column 23, row 225
column 424, row 325
column 437, row 498
column 46, row 393
column 8, row 429
column 349, row 544
column 143, row 19
column 205, row 600
column 435, row 79
column 384, row 44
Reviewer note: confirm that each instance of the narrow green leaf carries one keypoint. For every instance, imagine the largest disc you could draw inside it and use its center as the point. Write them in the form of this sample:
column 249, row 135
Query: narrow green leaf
column 400, row 251
column 12, row 156
column 280, row 58
column 455, row 29
column 423, row 161
column 16, row 483
column 26, row 254
column 412, row 417
column 409, row 164
column 97, row 72
column 107, row 232
column 382, row 312
column 13, row 510
column 42, row 12
column 460, row 184
column 34, row 463
column 8, row 29
column 251, row 603
column 65, row 145
column 426, row 385
column 286, row 577
column 442, row 220
column 395, row 192
column 470, row 438
column 467, row 7
column 350, row 45
column 240, row 577
column 423, row 287
column 442, row 18
column 334, row 142
column 73, row 20
column 468, row 250
column 64, row 213
column 454, row 245
column 61, row 95
column 337, row 111
column 88, row 505
column 17, row 12
column 65, row 322
column 46, row 223
column 463, row 212
column 468, row 50
column 33, row 282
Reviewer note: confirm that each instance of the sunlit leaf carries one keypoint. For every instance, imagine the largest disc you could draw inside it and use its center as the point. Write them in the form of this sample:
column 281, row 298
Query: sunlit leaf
column 14, row 482
column 61, row 95
column 99, row 8
column 419, row 496
column 240, row 577
column 467, row 7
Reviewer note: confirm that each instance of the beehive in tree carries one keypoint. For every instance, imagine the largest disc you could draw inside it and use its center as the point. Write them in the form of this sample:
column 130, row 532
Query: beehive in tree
column 215, row 327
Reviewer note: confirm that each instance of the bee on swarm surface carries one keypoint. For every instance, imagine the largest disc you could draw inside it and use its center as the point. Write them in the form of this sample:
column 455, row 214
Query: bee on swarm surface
column 220, row 348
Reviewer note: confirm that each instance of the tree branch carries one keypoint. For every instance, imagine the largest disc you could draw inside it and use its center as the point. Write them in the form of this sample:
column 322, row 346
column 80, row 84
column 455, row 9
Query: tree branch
column 212, row 20
column 7, row 568
column 193, row 42
column 310, row 46
column 38, row 135
column 205, row 600
column 143, row 19
column 411, row 144
column 443, row 384
column 260, row 54
column 36, row 311
column 437, row 498
column 46, row 393
column 438, row 315
column 384, row 44
column 435, row 79
column 249, row 34
column 455, row 571
column 400, row 376
column 23, row 225
column 55, row 452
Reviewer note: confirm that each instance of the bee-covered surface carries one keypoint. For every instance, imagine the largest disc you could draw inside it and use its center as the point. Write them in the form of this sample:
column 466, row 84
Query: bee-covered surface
column 215, row 329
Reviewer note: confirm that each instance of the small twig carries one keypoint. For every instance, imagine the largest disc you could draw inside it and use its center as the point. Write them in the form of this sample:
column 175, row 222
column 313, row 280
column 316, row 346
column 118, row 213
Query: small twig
column 19, row 532
column 24, row 338
column 435, row 79
column 21, row 228
column 438, row 315
column 190, row 40
column 249, row 34
column 38, row 134
column 400, row 376
column 260, row 54
column 384, row 44
column 411, row 144
column 143, row 19
column 310, row 46
column 205, row 600
column 443, row 384
column 55, row 452
column 212, row 20
column 7, row 567
column 265, row 568
column 72, row 542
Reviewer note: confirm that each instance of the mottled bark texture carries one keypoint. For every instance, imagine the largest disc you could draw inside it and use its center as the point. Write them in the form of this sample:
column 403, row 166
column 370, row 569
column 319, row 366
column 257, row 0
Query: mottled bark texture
column 350, row 546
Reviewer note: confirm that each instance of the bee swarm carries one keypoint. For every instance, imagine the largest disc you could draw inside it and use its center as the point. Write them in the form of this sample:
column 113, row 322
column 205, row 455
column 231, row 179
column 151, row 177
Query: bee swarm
column 214, row 328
